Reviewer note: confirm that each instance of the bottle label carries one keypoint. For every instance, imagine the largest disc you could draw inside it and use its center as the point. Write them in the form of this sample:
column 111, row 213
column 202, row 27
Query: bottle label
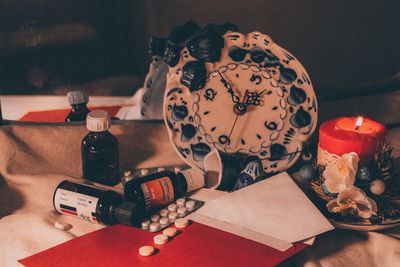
column 75, row 204
column 158, row 192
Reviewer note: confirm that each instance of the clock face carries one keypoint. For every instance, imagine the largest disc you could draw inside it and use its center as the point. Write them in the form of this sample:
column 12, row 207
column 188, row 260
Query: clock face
column 252, row 99
column 228, row 111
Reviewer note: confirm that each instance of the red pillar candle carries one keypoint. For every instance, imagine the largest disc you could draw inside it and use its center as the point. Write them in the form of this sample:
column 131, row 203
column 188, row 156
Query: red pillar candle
column 351, row 134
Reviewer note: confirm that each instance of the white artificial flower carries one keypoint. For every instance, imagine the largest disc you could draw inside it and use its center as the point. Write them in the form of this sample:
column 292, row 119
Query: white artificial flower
column 353, row 199
column 342, row 173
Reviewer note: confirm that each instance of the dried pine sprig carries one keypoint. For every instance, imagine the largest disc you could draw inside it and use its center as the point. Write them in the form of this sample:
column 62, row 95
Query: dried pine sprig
column 384, row 161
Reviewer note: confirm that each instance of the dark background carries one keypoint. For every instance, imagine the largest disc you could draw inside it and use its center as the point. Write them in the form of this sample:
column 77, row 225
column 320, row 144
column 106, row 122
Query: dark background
column 348, row 47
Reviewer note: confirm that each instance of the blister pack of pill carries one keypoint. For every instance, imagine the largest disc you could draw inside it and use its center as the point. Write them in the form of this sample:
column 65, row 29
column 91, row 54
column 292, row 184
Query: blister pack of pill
column 161, row 219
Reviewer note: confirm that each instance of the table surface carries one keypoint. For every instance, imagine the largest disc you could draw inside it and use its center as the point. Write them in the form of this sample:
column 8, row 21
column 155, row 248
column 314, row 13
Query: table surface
column 34, row 159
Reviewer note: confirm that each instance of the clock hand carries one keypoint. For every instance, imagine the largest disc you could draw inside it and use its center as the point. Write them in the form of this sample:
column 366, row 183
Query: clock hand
column 228, row 86
column 237, row 116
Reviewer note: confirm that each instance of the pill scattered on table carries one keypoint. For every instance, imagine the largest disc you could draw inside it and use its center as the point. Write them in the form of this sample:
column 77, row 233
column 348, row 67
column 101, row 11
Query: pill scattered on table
column 190, row 205
column 155, row 217
column 160, row 239
column 182, row 211
column 164, row 221
column 181, row 223
column 180, row 202
column 164, row 213
column 170, row 232
column 173, row 216
column 172, row 207
column 154, row 226
column 62, row 226
column 145, row 224
column 146, row 251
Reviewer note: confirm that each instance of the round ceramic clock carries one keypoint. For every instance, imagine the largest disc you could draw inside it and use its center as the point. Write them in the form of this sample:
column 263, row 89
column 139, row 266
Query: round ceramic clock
column 240, row 94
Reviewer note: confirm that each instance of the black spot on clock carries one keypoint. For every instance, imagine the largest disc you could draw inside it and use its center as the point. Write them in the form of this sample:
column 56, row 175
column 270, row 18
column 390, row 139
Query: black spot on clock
column 149, row 82
column 237, row 75
column 191, row 118
column 183, row 32
column 236, row 53
column 174, row 90
column 172, row 54
column 194, row 75
column 263, row 153
column 242, row 141
column 274, row 108
column 199, row 138
column 277, row 152
column 300, row 119
column 179, row 112
column 248, row 61
column 287, row 75
column 257, row 54
column 213, row 129
column 200, row 150
column 291, row 109
column 274, row 165
column 145, row 98
column 271, row 60
column 206, row 46
column 188, row 132
column 297, row 96
column 223, row 139
column 258, row 136
column 206, row 112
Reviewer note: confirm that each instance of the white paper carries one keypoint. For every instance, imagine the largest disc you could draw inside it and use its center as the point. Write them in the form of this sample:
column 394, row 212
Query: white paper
column 275, row 207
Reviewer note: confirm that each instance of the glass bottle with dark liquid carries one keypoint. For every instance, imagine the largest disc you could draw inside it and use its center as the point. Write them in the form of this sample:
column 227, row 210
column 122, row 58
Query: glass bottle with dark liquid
column 94, row 204
column 79, row 110
column 100, row 161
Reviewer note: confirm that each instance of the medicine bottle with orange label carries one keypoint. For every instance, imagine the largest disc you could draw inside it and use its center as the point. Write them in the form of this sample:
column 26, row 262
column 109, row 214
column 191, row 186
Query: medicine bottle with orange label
column 160, row 189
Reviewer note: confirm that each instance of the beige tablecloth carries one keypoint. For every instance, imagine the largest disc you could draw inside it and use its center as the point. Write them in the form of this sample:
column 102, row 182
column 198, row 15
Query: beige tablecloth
column 34, row 159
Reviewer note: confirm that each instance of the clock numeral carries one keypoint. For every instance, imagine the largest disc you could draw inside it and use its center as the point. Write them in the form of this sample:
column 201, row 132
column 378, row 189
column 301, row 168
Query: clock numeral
column 270, row 125
column 210, row 94
column 255, row 79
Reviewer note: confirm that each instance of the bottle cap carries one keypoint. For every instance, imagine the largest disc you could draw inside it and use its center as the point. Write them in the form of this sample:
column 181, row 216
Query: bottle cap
column 195, row 178
column 98, row 121
column 126, row 213
column 77, row 97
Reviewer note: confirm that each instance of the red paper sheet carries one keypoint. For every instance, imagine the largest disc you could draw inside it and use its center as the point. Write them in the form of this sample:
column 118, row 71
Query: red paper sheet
column 59, row 115
column 196, row 245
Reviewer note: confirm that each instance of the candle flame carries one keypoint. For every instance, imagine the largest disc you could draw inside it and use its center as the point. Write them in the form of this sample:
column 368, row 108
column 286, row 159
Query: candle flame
column 359, row 122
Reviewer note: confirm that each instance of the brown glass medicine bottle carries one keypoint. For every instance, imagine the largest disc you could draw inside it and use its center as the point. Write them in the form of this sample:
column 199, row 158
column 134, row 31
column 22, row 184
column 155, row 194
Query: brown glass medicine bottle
column 99, row 149
column 160, row 189
column 94, row 204
column 79, row 110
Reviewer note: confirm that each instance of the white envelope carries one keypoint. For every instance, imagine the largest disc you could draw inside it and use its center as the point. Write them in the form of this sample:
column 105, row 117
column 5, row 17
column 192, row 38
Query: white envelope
column 274, row 209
